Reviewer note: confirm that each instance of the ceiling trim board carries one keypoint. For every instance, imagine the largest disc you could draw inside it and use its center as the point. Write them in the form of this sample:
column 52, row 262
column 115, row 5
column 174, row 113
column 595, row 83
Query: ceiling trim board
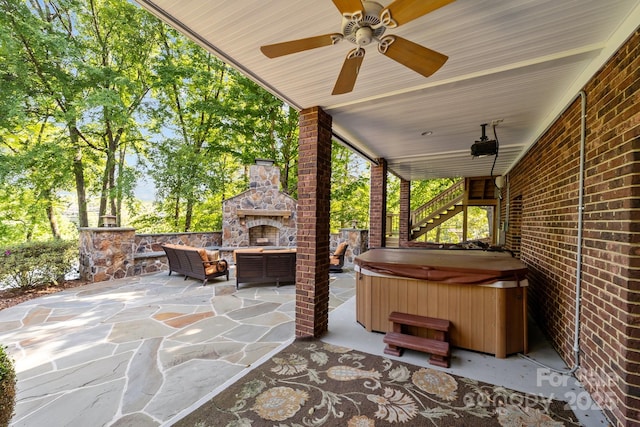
column 619, row 37
column 465, row 77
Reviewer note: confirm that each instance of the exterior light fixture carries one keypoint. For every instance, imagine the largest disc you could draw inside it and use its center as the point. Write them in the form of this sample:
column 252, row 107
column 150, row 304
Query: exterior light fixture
column 109, row 220
column 264, row 162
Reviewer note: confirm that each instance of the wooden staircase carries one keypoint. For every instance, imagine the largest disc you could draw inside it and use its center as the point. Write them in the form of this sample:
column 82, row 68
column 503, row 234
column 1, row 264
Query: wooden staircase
column 479, row 191
column 437, row 210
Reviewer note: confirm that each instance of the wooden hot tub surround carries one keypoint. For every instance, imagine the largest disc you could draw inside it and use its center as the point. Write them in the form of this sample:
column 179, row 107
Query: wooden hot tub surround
column 483, row 294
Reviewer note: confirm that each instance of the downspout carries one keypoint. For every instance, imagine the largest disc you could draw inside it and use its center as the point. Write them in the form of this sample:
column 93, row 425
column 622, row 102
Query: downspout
column 578, row 288
column 583, row 136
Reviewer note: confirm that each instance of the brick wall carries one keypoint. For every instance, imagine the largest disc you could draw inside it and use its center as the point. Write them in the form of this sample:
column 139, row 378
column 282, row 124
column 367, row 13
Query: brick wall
column 514, row 224
column 544, row 195
column 378, row 204
column 314, row 188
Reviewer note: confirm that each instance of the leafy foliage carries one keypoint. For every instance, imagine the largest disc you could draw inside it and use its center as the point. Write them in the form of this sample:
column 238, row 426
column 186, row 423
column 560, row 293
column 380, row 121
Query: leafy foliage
column 7, row 387
column 349, row 189
column 37, row 263
column 99, row 92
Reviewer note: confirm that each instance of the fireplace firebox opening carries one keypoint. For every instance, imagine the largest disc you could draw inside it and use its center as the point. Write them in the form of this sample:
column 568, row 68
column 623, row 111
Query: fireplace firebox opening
column 263, row 235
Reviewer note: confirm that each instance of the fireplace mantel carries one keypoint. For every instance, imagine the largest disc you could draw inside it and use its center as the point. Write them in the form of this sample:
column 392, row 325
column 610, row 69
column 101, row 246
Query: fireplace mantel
column 263, row 212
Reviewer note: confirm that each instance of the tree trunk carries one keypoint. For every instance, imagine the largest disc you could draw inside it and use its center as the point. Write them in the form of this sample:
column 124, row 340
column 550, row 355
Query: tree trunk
column 188, row 214
column 102, row 210
column 119, row 187
column 53, row 222
column 176, row 213
column 78, row 171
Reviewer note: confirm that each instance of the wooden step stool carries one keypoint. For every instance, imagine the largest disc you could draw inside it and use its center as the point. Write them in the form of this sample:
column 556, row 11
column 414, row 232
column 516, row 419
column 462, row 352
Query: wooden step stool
column 398, row 340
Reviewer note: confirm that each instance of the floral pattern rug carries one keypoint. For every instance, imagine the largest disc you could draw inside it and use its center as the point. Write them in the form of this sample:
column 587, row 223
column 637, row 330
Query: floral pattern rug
column 311, row 383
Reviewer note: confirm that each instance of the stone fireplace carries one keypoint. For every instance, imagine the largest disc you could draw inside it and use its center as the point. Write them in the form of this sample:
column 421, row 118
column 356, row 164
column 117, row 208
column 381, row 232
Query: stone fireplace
column 262, row 215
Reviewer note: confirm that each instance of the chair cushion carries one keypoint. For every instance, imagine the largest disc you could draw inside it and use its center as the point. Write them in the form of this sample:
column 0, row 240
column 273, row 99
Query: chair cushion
column 213, row 255
column 201, row 251
column 217, row 267
column 341, row 249
column 223, row 265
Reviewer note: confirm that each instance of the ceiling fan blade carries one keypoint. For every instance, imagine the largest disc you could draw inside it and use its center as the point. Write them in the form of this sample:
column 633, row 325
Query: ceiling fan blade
column 402, row 11
column 294, row 46
column 349, row 72
column 419, row 58
column 350, row 8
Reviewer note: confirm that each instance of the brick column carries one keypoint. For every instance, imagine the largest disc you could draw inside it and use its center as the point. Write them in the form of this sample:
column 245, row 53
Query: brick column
column 378, row 205
column 314, row 187
column 405, row 212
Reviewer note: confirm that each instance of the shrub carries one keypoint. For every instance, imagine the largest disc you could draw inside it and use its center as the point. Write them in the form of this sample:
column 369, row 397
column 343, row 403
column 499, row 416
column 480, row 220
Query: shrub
column 7, row 387
column 37, row 263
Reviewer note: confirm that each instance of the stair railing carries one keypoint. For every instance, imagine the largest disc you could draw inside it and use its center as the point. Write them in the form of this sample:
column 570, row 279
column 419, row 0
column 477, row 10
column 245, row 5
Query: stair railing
column 436, row 206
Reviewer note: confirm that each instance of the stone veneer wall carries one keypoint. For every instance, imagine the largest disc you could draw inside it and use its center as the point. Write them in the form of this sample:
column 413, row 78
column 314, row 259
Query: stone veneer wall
column 108, row 253
column 356, row 239
column 149, row 243
column 263, row 195
column 113, row 253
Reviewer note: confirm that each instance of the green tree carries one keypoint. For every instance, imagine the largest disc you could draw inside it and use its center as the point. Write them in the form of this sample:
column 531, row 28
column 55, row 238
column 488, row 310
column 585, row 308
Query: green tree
column 34, row 166
column 42, row 50
column 264, row 127
column 83, row 67
column 120, row 46
column 194, row 164
column 349, row 189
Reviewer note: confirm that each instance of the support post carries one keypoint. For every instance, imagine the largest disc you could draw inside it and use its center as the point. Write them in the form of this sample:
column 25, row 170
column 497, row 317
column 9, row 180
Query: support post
column 378, row 205
column 314, row 187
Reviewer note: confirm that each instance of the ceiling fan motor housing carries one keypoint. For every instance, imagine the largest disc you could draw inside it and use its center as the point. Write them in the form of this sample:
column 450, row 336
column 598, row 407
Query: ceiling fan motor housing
column 368, row 29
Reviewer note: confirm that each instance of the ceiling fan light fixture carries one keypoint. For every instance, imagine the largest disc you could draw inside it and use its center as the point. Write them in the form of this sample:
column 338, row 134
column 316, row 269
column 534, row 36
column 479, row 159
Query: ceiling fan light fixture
column 364, row 36
column 364, row 22
column 367, row 27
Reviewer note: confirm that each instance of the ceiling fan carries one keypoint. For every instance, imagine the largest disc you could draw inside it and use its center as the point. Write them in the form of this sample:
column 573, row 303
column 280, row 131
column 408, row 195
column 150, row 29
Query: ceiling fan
column 364, row 22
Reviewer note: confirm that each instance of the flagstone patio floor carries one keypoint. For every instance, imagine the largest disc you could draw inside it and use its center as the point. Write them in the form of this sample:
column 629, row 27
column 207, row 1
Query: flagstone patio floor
column 145, row 351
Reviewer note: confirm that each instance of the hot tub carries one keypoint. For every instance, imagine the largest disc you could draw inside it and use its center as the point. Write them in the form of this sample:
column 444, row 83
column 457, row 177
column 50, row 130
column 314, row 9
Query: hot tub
column 483, row 294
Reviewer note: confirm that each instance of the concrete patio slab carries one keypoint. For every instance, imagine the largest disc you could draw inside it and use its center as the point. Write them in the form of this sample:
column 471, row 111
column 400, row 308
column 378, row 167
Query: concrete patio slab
column 146, row 351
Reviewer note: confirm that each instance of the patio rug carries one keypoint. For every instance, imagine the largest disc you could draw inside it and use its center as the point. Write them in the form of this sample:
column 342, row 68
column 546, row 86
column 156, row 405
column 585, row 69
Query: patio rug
column 311, row 383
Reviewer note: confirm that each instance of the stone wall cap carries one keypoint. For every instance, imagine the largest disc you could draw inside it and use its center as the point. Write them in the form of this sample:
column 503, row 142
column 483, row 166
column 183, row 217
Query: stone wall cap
column 107, row 229
column 179, row 233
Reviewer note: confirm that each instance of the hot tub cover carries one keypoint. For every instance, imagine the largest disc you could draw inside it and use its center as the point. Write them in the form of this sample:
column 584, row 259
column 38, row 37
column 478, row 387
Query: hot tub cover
column 446, row 266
